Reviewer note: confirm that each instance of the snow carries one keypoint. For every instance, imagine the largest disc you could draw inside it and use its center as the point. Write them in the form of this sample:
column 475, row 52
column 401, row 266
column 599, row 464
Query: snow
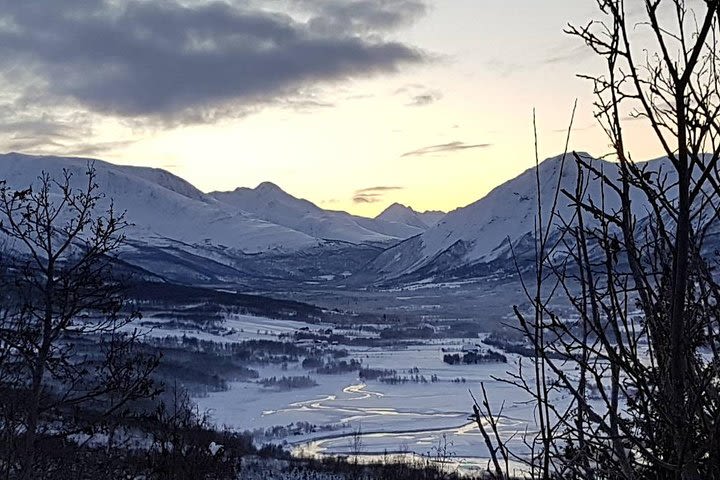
column 240, row 328
column 479, row 231
column 402, row 214
column 167, row 210
column 270, row 203
column 160, row 205
column 407, row 419
column 410, row 417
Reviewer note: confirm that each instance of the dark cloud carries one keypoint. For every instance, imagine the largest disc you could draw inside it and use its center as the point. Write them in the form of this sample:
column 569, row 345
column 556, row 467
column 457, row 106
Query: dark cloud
column 305, row 104
column 373, row 194
column 189, row 62
column 418, row 95
column 444, row 148
column 336, row 17
column 410, row 88
column 424, row 99
column 31, row 126
column 378, row 189
column 30, row 129
column 95, row 149
column 367, row 198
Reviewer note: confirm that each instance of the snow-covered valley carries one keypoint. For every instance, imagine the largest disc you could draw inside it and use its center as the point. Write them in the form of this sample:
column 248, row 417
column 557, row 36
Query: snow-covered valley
column 323, row 332
column 416, row 405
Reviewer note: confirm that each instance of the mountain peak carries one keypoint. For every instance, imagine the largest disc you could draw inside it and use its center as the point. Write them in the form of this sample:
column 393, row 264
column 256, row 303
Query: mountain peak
column 397, row 212
column 557, row 159
column 268, row 187
column 397, row 207
column 402, row 214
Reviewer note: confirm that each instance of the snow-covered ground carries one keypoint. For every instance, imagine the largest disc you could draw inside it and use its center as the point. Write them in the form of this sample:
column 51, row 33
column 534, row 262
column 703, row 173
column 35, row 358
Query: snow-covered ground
column 235, row 328
column 409, row 418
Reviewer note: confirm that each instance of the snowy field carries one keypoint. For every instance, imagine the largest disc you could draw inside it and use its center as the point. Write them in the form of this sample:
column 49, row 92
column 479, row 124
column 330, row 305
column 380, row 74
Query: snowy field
column 396, row 419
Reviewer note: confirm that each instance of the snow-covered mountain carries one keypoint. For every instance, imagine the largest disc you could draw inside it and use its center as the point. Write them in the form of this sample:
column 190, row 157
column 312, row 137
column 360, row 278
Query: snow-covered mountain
column 478, row 234
column 161, row 206
column 431, row 217
column 270, row 203
column 406, row 215
column 182, row 234
column 263, row 235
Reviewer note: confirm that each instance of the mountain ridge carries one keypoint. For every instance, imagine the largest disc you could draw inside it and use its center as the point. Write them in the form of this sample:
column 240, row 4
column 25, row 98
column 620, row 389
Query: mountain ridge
column 483, row 232
column 180, row 232
column 398, row 212
column 271, row 203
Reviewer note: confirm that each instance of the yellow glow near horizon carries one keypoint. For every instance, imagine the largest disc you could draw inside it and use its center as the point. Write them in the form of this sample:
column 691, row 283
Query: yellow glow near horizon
column 325, row 155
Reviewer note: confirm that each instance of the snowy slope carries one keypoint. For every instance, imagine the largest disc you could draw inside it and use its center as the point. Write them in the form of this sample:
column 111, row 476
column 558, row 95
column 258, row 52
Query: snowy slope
column 401, row 214
column 180, row 232
column 163, row 206
column 431, row 217
column 269, row 202
column 479, row 232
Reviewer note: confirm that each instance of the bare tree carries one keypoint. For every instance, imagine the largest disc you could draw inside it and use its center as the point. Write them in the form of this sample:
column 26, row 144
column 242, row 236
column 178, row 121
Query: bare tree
column 356, row 444
column 63, row 325
column 183, row 444
column 637, row 353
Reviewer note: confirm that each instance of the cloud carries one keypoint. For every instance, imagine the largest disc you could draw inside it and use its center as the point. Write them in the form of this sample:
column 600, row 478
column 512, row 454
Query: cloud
column 455, row 146
column 95, row 149
column 192, row 61
column 30, row 129
column 589, row 126
column 305, row 104
column 424, row 99
column 378, row 189
column 505, row 68
column 568, row 55
column 561, row 54
column 367, row 198
column 419, row 95
column 373, row 194
column 33, row 127
column 361, row 16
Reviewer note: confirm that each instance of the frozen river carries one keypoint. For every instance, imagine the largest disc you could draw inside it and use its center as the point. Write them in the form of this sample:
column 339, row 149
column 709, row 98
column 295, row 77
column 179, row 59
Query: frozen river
column 409, row 418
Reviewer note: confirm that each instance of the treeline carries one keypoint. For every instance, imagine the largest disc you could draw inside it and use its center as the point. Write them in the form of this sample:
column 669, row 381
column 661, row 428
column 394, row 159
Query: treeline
column 521, row 348
column 402, row 379
column 264, row 435
column 473, row 358
column 338, row 367
column 288, row 383
column 203, row 366
column 213, row 303
column 340, row 468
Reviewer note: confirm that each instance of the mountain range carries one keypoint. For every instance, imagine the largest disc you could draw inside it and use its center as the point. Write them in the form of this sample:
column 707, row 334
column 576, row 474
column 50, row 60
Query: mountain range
column 256, row 236
column 270, row 203
column 406, row 215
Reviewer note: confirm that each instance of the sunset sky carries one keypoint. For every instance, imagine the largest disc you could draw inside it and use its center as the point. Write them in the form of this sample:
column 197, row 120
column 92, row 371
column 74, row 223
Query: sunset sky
column 352, row 104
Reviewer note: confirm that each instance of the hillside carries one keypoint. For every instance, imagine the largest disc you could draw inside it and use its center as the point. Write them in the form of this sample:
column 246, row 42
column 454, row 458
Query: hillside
column 270, row 203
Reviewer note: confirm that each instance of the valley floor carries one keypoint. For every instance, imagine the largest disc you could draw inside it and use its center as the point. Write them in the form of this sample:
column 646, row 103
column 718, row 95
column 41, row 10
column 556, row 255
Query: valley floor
column 426, row 416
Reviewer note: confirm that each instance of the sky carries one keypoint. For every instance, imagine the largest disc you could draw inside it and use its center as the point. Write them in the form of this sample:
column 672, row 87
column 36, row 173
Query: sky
column 352, row 104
